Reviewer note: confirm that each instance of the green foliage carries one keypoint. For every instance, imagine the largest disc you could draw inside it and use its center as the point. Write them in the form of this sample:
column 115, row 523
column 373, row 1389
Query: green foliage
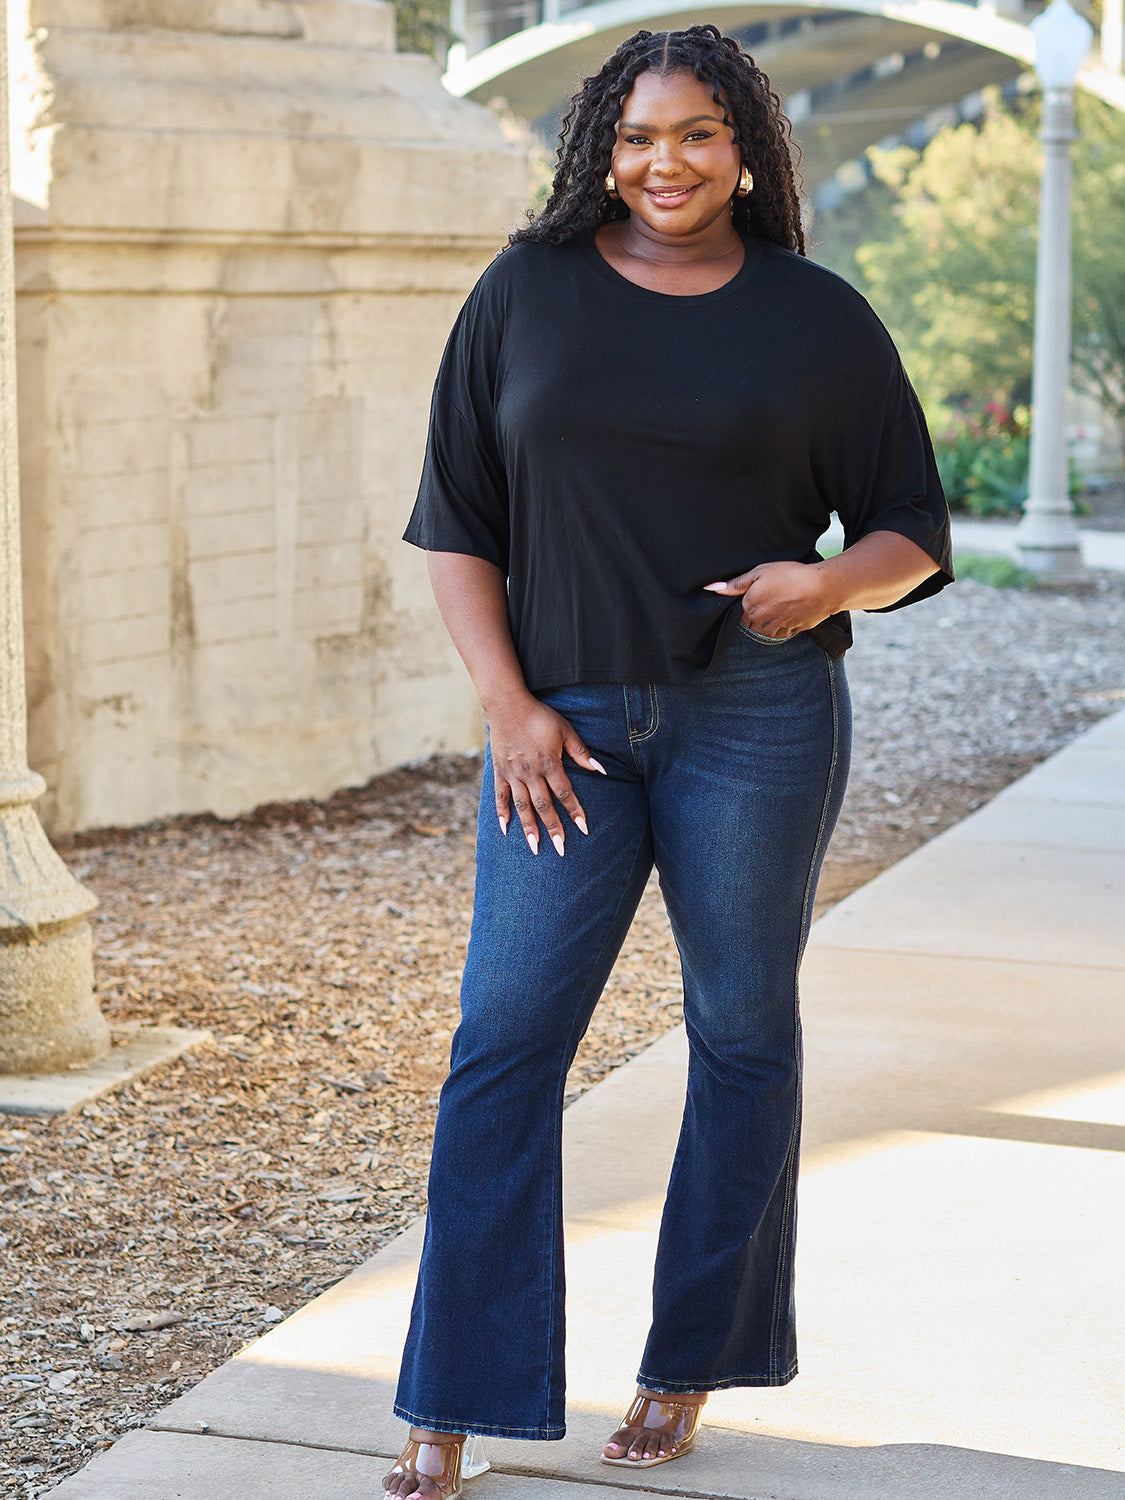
column 422, row 26
column 540, row 160
column 983, row 458
column 996, row 572
column 944, row 244
column 956, row 453
column 955, row 279
column 999, row 479
column 1099, row 254
column 836, row 236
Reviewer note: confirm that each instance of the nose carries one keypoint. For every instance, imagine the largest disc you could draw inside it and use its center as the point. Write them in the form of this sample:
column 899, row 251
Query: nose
column 666, row 159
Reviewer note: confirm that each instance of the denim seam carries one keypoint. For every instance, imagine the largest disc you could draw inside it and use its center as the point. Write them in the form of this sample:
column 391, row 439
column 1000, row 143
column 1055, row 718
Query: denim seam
column 780, row 1377
column 654, row 718
column 790, row 1160
column 830, row 782
column 488, row 1429
column 764, row 640
column 552, row 1267
column 571, row 1048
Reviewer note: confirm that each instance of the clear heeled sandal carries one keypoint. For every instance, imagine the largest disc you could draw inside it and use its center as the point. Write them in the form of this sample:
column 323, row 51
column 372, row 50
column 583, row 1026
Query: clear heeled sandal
column 474, row 1461
column 447, row 1465
column 678, row 1415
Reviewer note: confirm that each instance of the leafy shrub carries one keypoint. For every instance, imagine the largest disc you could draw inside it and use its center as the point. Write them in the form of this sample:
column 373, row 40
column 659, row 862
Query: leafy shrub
column 998, row 480
column 983, row 458
column 955, row 453
column 422, row 26
column 997, row 572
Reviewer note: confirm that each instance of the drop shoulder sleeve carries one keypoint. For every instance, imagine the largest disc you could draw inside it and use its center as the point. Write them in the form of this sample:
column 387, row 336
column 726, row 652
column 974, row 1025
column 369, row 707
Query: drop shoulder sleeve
column 901, row 491
column 462, row 503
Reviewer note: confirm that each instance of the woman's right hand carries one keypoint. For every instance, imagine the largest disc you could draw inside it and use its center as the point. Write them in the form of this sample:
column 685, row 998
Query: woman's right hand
column 529, row 741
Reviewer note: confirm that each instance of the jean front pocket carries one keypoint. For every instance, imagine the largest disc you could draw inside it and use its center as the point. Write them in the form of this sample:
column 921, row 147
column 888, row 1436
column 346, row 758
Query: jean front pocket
column 766, row 640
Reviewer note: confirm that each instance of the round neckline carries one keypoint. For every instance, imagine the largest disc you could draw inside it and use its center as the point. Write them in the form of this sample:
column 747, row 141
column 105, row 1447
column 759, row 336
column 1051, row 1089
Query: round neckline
column 752, row 255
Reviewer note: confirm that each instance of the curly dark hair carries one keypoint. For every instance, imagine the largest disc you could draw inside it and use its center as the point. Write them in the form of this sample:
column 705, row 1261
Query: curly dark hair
column 579, row 202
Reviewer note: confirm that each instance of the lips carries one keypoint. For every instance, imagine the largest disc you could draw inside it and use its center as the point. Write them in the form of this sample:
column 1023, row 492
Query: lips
column 670, row 197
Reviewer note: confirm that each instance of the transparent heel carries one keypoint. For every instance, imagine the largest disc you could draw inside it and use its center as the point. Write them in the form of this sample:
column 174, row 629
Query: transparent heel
column 675, row 1417
column 473, row 1461
column 440, row 1463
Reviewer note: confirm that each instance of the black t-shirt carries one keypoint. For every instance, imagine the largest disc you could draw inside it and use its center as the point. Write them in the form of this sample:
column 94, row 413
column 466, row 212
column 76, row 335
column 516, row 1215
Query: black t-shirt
column 613, row 449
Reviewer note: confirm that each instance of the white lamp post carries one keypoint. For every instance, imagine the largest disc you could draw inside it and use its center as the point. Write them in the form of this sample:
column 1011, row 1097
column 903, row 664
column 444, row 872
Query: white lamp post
column 1112, row 36
column 1047, row 537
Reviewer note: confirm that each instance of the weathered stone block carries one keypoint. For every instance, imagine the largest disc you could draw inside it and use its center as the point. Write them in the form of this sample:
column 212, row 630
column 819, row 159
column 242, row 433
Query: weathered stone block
column 336, row 611
column 233, row 534
column 136, row 592
column 244, row 229
column 101, row 550
column 221, row 490
column 117, row 501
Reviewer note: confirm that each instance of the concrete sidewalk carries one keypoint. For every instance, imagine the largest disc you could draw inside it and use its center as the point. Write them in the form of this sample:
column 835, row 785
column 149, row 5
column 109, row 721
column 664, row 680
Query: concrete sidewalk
column 1100, row 549
column 962, row 1220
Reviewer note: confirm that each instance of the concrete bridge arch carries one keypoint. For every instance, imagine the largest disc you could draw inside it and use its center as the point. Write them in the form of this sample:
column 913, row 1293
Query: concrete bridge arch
column 850, row 74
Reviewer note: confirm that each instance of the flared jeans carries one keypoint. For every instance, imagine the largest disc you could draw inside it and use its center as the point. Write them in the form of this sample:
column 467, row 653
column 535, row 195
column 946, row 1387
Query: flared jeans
column 731, row 786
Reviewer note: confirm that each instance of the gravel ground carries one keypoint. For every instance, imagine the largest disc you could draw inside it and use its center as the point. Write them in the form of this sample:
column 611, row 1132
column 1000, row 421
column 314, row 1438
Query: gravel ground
column 154, row 1233
column 1103, row 508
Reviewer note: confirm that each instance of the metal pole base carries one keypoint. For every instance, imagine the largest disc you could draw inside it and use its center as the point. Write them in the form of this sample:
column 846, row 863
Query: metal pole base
column 1052, row 564
column 1047, row 541
column 48, row 1017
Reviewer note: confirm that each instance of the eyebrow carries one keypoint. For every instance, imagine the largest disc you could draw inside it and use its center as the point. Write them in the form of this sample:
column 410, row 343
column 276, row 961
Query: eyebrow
column 715, row 120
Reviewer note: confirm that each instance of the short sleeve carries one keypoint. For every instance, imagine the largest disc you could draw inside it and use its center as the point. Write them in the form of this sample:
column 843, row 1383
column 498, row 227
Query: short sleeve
column 462, row 503
column 901, row 491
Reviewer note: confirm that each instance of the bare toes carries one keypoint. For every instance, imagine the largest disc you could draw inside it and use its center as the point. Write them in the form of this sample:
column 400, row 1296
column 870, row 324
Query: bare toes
column 639, row 1444
column 401, row 1485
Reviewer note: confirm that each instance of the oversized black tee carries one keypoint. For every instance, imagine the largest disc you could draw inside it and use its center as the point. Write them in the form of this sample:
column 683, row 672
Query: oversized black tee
column 613, row 449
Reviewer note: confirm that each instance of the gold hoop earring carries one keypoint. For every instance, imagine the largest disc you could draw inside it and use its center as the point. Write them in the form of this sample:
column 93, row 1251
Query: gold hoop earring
column 745, row 183
column 611, row 185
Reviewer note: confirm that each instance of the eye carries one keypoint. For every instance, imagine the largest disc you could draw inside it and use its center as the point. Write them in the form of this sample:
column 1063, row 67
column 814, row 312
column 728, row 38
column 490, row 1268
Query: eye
column 636, row 140
column 700, row 135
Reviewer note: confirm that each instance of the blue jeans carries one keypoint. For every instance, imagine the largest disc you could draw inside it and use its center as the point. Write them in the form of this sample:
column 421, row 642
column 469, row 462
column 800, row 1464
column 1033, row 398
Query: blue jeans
column 731, row 786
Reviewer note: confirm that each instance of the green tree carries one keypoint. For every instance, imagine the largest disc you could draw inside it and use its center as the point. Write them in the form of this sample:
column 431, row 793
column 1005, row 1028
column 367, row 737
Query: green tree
column 1099, row 255
column 422, row 26
column 950, row 263
column 836, row 235
column 956, row 276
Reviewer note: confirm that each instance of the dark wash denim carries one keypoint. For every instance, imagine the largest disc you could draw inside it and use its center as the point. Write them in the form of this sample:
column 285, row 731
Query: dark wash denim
column 732, row 786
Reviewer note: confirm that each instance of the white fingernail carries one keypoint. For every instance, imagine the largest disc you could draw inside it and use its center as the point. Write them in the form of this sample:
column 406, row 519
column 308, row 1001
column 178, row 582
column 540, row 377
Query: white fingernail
column 580, row 822
column 598, row 766
column 503, row 825
column 557, row 840
column 533, row 842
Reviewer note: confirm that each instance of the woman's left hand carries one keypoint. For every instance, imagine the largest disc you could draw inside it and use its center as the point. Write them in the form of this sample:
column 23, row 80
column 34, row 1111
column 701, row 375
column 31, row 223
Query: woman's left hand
column 783, row 598
column 780, row 599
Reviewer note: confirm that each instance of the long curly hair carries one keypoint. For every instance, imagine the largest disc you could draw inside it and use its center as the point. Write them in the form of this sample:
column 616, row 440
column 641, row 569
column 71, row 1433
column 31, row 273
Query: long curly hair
column 579, row 202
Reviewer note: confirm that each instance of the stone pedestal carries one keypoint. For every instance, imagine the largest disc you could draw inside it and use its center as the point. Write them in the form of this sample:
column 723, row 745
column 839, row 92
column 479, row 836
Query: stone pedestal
column 48, row 1018
column 244, row 228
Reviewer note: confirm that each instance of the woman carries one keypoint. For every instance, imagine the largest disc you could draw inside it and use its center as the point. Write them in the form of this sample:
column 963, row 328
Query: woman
column 646, row 411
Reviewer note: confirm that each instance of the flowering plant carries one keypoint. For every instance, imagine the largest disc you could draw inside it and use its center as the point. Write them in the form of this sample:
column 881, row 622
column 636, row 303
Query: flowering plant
column 983, row 457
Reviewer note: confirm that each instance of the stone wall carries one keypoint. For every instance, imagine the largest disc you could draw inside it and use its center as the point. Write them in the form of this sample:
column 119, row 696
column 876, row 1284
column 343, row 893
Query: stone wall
column 244, row 228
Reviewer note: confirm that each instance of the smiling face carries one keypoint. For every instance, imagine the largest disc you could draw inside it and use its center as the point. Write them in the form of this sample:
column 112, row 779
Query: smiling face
column 674, row 160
